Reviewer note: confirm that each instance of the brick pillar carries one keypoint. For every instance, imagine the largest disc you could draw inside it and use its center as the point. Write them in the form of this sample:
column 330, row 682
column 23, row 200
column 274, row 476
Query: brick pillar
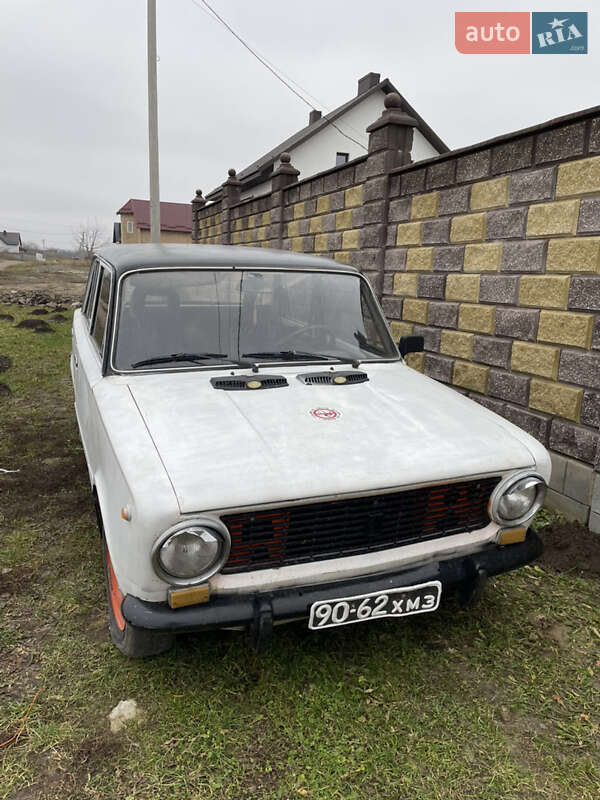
column 197, row 203
column 230, row 196
column 284, row 175
column 390, row 144
column 594, row 523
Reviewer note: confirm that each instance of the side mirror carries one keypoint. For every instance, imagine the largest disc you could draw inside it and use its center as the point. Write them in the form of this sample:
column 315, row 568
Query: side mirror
column 411, row 344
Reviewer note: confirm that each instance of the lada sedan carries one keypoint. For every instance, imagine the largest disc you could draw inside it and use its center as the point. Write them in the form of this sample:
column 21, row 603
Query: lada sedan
column 259, row 451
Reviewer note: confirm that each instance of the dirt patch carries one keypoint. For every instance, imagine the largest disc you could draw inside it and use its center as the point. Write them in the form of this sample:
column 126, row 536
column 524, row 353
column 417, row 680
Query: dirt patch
column 38, row 312
column 6, row 318
column 59, row 318
column 95, row 752
column 5, row 390
column 5, row 363
column 570, row 547
column 15, row 580
column 37, row 325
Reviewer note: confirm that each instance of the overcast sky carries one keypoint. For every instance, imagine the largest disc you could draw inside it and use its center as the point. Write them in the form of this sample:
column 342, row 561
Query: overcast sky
column 73, row 77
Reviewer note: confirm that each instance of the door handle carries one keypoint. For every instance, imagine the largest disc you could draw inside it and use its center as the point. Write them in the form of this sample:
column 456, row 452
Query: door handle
column 75, row 361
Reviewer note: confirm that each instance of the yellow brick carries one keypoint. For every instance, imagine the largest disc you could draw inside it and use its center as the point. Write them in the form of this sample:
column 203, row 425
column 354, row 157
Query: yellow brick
column 416, row 361
column 489, row 194
column 343, row 258
column 415, row 310
column 343, row 219
column 297, row 244
column 456, row 343
column 468, row 228
column 316, row 224
column 476, row 318
column 471, row 376
column 261, row 233
column 537, row 359
column 425, row 205
column 420, row 259
column 405, row 284
column 483, row 257
column 299, row 211
column 555, row 398
column 236, row 237
column 353, row 197
column 409, row 233
column 237, row 225
column 399, row 329
column 462, row 287
column 547, row 291
column 266, row 218
column 578, row 177
column 265, row 244
column 564, row 327
column 574, row 255
column 323, row 204
column 293, row 228
column 350, row 239
column 553, row 219
column 246, row 236
column 321, row 242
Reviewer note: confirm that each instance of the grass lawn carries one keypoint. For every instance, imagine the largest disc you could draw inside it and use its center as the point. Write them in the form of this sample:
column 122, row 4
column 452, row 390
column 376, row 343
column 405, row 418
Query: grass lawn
column 501, row 701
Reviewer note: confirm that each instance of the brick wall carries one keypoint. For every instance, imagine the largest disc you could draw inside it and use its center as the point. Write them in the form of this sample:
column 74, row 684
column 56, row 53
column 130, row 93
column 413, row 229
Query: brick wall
column 492, row 253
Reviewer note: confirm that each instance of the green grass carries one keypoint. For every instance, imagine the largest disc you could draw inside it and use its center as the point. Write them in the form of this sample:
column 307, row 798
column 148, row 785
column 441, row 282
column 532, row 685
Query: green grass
column 500, row 701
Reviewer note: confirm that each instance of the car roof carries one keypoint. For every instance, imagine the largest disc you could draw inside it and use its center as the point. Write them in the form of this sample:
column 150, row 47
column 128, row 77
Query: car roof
column 125, row 257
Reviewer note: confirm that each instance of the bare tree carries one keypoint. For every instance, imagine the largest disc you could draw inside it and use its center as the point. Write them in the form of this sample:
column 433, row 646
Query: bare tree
column 88, row 237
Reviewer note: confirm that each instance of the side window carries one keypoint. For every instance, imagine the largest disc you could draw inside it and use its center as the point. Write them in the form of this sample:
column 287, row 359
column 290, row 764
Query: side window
column 90, row 289
column 99, row 325
column 129, row 226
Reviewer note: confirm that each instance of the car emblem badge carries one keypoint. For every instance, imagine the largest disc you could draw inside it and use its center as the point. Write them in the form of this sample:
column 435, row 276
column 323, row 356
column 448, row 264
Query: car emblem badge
column 325, row 413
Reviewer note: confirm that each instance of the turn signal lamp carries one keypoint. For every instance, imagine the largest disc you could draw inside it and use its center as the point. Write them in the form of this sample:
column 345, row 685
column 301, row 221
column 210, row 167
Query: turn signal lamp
column 512, row 535
column 178, row 598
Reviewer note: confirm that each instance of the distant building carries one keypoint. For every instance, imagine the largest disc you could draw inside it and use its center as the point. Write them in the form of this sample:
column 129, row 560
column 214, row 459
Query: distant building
column 10, row 242
column 175, row 223
column 335, row 138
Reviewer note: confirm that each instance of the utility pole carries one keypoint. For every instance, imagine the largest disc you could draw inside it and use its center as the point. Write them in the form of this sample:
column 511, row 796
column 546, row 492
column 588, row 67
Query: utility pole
column 153, row 126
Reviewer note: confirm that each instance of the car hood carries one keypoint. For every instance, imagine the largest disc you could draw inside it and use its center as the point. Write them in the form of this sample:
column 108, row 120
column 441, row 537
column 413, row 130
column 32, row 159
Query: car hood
column 228, row 449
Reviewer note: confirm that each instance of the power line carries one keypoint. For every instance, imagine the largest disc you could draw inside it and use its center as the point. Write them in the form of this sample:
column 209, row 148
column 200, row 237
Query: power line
column 275, row 71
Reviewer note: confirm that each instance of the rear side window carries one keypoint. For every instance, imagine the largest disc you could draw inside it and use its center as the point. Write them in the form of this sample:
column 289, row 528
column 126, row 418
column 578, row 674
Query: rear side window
column 102, row 310
column 90, row 291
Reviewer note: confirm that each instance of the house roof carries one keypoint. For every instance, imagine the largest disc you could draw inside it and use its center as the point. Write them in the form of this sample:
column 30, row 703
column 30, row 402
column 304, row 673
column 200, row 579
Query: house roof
column 261, row 169
column 173, row 216
column 10, row 237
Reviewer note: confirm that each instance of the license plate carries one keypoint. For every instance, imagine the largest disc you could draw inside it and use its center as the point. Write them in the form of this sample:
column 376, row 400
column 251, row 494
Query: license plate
column 364, row 607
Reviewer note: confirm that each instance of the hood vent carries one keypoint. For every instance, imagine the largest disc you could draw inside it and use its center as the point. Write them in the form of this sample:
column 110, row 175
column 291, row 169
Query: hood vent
column 239, row 383
column 338, row 378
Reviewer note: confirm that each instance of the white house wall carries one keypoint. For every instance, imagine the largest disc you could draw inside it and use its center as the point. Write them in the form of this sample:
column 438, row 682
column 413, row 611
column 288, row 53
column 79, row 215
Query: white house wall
column 422, row 148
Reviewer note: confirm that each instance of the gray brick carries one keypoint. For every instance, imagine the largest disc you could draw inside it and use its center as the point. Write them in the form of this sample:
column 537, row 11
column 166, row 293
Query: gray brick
column 395, row 259
column 305, row 191
column 394, row 185
column 330, row 182
column 580, row 368
column 292, row 194
column 310, row 207
column 497, row 406
column 569, row 508
column 559, row 468
column 392, row 232
column 444, row 315
column 590, row 409
column 573, row 440
column 454, row 201
column 374, row 213
column 441, row 174
column 336, row 201
column 303, row 226
column 526, row 187
column 499, row 289
column 508, row 386
column 589, row 215
column 596, row 494
column 579, row 481
column 596, row 334
column 436, row 231
column 374, row 189
column 346, row 177
column 493, row 351
column 372, row 236
column 529, row 257
column 392, row 307
column 594, row 522
column 388, row 283
column 316, row 187
column 365, row 258
column 585, row 293
column 517, row 323
column 512, row 155
column 506, row 224
column 412, row 182
column 449, row 259
column 328, row 222
column 473, row 166
column 399, row 210
column 431, row 337
column 568, row 140
column 439, row 367
column 308, row 244
column 334, row 241
column 432, row 286
column 595, row 136
column 537, row 425
column 373, row 278
column 376, row 164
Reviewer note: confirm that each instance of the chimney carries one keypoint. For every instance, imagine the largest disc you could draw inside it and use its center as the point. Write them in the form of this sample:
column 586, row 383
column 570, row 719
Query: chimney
column 314, row 116
column 367, row 82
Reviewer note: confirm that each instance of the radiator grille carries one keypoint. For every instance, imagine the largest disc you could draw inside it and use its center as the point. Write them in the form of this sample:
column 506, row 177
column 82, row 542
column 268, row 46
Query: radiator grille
column 336, row 378
column 249, row 382
column 317, row 531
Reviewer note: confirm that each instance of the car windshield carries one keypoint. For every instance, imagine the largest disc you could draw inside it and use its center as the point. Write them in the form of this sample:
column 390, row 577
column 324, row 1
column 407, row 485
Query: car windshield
column 232, row 316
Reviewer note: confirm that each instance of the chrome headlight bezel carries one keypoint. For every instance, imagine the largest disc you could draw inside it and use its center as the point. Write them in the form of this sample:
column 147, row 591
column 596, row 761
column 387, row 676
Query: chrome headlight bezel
column 527, row 479
column 216, row 527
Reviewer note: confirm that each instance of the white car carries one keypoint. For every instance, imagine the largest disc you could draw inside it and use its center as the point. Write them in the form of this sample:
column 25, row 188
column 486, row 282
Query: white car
column 260, row 452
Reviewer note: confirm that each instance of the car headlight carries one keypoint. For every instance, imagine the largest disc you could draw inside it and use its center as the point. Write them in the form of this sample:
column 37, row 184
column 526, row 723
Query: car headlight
column 517, row 499
column 191, row 552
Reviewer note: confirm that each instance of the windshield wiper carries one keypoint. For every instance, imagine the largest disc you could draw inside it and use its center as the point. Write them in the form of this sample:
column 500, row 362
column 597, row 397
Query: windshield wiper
column 195, row 358
column 291, row 355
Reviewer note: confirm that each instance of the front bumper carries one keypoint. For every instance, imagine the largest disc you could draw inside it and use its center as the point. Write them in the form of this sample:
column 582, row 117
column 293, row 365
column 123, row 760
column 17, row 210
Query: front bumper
column 258, row 611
